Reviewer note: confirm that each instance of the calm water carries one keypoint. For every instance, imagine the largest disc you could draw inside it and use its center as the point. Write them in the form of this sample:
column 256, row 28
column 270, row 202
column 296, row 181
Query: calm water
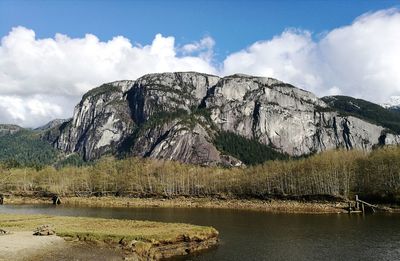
column 250, row 235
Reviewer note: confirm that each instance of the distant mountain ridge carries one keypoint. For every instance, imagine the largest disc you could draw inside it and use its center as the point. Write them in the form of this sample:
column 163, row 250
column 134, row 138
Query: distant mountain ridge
column 51, row 124
column 208, row 120
column 178, row 116
column 393, row 102
column 366, row 110
column 6, row 129
column 24, row 147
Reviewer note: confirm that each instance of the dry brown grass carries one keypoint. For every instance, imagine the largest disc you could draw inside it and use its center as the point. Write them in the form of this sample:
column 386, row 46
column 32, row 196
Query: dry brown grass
column 108, row 230
column 284, row 206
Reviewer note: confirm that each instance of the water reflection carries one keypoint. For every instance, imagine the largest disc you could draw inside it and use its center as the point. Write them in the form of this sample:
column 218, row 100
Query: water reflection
column 251, row 235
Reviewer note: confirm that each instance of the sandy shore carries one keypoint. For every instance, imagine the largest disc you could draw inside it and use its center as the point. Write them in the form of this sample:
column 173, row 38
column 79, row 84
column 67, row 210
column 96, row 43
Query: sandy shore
column 24, row 245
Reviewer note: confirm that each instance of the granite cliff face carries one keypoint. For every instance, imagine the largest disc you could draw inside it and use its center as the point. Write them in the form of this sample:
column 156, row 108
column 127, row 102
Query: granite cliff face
column 101, row 121
column 287, row 118
column 176, row 116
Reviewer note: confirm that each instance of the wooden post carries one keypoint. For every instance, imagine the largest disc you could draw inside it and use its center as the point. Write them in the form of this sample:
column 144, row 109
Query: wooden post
column 56, row 200
column 362, row 206
column 1, row 199
column 357, row 206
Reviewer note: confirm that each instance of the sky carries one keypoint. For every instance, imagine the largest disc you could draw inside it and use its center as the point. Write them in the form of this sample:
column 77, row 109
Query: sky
column 52, row 52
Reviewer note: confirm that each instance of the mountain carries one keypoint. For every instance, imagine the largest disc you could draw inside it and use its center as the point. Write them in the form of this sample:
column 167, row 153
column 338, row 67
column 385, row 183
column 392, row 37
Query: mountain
column 51, row 124
column 7, row 129
column 24, row 147
column 204, row 119
column 366, row 110
column 393, row 102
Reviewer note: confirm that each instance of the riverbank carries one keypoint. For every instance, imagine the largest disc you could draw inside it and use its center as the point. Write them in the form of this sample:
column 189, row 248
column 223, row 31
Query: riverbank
column 277, row 206
column 139, row 240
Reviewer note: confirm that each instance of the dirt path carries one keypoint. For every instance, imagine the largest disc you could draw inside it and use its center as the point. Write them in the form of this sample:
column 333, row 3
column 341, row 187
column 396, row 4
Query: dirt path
column 24, row 245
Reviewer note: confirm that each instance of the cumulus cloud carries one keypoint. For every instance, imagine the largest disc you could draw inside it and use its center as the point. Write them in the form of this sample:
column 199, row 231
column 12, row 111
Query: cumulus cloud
column 361, row 59
column 42, row 79
column 16, row 109
column 37, row 75
column 288, row 57
column 203, row 48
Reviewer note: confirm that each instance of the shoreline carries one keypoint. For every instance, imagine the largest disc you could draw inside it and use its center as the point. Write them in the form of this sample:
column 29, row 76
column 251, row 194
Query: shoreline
column 274, row 206
column 135, row 240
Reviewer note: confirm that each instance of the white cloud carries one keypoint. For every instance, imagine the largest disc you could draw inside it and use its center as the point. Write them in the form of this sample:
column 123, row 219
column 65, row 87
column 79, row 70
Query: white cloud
column 25, row 111
column 288, row 57
column 41, row 79
column 361, row 60
column 35, row 74
column 203, row 48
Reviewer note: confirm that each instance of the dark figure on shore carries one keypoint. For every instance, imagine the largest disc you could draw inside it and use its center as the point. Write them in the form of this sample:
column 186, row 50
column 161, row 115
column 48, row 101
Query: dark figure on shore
column 56, row 200
column 1, row 199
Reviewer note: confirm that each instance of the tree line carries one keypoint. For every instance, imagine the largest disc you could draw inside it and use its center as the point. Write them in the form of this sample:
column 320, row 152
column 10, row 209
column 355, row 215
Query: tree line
column 331, row 174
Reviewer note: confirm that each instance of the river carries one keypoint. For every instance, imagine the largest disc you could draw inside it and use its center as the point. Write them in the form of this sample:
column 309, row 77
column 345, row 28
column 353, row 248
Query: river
column 253, row 235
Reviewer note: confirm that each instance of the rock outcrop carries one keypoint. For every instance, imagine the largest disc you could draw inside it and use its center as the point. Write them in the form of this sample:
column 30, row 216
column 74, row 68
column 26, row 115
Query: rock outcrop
column 44, row 230
column 6, row 129
column 289, row 119
column 101, row 121
column 176, row 116
column 51, row 124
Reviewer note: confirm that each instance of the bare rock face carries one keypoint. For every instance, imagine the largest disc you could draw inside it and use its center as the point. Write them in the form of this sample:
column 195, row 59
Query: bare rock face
column 286, row 118
column 101, row 121
column 168, row 92
column 181, row 142
column 176, row 116
column 6, row 129
column 52, row 124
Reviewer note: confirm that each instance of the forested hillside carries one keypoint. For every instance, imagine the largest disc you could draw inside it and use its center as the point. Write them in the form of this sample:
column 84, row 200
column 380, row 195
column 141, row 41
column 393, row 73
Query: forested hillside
column 249, row 151
column 366, row 110
column 25, row 149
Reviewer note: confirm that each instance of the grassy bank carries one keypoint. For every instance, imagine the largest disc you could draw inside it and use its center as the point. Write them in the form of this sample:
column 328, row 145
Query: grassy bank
column 333, row 175
column 153, row 240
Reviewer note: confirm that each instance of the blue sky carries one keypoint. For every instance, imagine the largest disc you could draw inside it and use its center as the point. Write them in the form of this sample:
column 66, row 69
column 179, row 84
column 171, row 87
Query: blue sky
column 233, row 24
column 52, row 52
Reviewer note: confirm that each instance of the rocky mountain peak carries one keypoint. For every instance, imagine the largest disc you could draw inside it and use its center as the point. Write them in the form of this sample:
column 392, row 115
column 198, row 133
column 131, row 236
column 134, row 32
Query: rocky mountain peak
column 52, row 124
column 177, row 116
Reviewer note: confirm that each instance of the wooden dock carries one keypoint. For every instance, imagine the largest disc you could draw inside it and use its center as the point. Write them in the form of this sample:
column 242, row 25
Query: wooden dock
column 360, row 206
